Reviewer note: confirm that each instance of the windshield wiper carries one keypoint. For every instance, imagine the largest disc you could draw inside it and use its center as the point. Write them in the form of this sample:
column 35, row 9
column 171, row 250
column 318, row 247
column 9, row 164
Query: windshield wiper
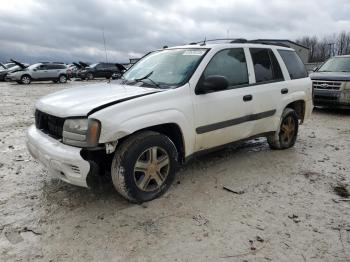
column 144, row 77
column 147, row 77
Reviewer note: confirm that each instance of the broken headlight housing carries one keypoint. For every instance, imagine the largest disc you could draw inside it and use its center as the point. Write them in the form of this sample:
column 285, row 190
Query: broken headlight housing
column 81, row 132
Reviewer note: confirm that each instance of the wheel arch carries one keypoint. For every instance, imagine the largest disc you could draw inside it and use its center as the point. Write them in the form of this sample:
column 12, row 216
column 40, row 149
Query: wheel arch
column 299, row 107
column 171, row 130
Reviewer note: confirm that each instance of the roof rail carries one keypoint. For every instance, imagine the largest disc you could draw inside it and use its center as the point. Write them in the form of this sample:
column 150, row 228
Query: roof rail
column 240, row 41
column 217, row 39
column 268, row 43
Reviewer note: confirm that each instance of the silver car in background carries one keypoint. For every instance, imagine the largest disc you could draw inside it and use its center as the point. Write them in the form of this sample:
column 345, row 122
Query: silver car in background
column 55, row 72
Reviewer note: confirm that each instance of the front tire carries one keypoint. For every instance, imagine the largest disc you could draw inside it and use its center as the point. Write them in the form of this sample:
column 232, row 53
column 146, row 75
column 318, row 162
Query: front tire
column 287, row 133
column 144, row 166
column 26, row 79
column 90, row 76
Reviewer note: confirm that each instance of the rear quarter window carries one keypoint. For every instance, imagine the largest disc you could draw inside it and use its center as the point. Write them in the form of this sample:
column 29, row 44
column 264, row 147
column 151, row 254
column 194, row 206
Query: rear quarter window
column 295, row 66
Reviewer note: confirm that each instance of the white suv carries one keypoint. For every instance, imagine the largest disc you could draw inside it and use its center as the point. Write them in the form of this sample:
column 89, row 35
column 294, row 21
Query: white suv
column 171, row 105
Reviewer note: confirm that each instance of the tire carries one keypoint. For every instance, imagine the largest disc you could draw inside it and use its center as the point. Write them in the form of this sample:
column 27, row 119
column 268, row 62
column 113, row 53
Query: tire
column 26, row 79
column 287, row 133
column 62, row 79
column 89, row 76
column 136, row 175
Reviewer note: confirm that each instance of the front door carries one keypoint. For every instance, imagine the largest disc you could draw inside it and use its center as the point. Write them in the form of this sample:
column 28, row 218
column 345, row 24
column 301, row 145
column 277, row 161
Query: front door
column 224, row 116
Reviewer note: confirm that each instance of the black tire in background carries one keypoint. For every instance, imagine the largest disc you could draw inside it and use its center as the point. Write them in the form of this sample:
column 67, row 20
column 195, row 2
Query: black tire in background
column 89, row 76
column 287, row 132
column 127, row 178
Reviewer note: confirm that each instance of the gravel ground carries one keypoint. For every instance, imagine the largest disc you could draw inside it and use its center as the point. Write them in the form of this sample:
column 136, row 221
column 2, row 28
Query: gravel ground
column 285, row 206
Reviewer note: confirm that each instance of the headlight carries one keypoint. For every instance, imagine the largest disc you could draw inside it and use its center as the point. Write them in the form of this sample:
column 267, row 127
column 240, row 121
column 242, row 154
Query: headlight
column 81, row 132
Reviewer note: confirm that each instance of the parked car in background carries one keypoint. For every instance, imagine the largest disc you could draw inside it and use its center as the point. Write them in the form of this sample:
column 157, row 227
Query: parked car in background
column 101, row 70
column 57, row 72
column 173, row 104
column 331, row 83
column 10, row 67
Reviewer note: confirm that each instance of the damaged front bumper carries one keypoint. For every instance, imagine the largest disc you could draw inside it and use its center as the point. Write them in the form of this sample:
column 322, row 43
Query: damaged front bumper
column 63, row 161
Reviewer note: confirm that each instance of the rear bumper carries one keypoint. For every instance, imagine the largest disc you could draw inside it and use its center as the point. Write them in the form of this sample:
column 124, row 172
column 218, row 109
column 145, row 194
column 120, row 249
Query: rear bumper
column 332, row 98
column 62, row 161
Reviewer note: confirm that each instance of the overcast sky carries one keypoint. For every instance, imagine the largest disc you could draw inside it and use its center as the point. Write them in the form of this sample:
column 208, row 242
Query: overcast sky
column 67, row 30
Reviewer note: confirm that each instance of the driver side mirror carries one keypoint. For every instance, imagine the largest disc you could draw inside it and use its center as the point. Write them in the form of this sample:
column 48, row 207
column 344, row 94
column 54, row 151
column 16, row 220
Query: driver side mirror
column 211, row 84
column 315, row 69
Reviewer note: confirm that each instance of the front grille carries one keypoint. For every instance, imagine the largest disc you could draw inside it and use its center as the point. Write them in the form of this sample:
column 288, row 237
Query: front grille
column 51, row 125
column 327, row 85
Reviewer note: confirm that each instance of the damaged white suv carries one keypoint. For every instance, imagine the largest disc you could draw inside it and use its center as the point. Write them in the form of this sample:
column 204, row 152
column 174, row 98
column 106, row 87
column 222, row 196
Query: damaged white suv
column 172, row 104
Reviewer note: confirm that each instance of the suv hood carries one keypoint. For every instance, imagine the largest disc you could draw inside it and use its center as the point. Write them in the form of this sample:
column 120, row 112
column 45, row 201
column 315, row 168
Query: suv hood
column 23, row 66
column 335, row 76
column 85, row 100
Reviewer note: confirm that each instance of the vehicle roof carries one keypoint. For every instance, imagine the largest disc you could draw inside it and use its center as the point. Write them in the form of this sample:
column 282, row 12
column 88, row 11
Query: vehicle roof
column 219, row 46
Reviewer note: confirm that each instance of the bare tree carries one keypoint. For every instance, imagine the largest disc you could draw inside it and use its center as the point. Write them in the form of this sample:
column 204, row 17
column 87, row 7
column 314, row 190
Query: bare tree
column 322, row 49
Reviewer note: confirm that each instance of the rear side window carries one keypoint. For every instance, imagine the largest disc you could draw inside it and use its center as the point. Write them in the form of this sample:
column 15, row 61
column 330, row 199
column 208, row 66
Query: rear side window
column 230, row 63
column 295, row 66
column 266, row 66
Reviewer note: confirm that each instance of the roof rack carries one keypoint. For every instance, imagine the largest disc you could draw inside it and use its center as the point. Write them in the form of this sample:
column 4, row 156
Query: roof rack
column 240, row 41
column 216, row 39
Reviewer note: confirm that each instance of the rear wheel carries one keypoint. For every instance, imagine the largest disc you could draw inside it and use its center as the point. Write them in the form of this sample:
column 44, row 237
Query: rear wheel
column 26, row 79
column 287, row 133
column 62, row 79
column 144, row 166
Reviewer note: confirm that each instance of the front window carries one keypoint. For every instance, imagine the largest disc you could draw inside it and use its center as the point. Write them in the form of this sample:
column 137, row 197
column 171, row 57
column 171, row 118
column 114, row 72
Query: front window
column 34, row 66
column 336, row 64
column 166, row 68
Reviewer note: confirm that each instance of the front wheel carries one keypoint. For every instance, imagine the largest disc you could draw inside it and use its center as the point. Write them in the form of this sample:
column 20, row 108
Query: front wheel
column 144, row 166
column 287, row 133
column 90, row 76
column 26, row 79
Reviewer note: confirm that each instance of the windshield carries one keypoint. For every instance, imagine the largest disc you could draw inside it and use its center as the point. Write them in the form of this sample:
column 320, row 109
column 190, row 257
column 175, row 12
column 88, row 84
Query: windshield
column 9, row 65
column 336, row 64
column 91, row 66
column 166, row 68
column 34, row 66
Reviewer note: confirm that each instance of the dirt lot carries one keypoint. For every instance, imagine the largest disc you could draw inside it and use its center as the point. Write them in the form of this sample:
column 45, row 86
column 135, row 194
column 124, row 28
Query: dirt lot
column 284, row 209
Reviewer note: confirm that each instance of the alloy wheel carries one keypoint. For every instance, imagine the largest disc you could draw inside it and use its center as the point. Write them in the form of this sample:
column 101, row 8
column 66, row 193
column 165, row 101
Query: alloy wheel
column 151, row 169
column 287, row 129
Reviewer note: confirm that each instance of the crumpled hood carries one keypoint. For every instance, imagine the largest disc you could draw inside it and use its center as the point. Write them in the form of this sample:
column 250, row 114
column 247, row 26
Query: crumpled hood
column 335, row 76
column 82, row 100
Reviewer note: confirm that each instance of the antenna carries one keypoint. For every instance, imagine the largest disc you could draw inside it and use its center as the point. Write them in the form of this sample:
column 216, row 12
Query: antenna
column 104, row 43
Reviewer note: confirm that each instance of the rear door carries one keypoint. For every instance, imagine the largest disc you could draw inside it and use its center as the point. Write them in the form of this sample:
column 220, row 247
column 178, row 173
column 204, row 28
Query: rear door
column 53, row 71
column 267, row 90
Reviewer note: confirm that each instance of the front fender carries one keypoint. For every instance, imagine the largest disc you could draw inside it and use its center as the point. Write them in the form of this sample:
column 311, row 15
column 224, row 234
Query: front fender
column 113, row 131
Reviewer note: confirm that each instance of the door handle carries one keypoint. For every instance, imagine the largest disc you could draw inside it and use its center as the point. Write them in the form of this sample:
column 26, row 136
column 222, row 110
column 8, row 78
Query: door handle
column 284, row 91
column 247, row 98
